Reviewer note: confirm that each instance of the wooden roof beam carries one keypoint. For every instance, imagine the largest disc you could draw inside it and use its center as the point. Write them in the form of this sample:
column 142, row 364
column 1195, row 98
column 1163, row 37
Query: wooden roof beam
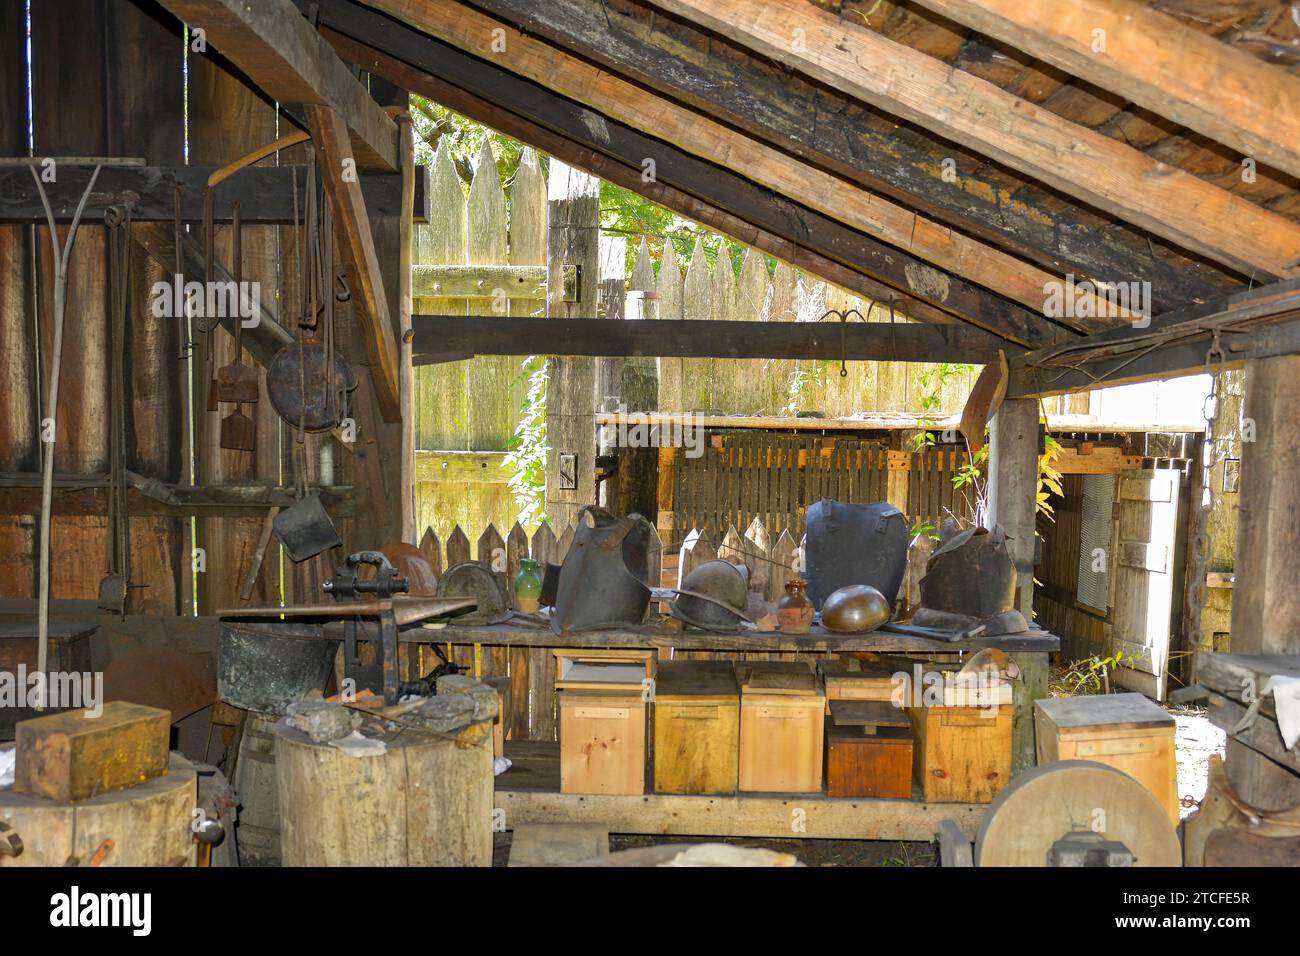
column 541, row 62
column 1157, row 62
column 1091, row 167
column 1250, row 324
column 822, row 127
column 701, row 191
column 461, row 336
column 287, row 59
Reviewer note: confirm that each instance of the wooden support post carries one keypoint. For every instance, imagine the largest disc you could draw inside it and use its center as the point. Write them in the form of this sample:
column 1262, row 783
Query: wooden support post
column 573, row 240
column 1013, row 488
column 352, row 226
column 1265, row 605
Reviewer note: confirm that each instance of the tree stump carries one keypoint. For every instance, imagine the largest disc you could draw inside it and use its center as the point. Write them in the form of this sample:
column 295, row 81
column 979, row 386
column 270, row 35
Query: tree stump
column 426, row 801
column 145, row 825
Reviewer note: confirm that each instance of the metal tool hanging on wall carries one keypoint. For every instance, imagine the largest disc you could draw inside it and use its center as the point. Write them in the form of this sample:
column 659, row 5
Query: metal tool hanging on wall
column 236, row 382
column 307, row 381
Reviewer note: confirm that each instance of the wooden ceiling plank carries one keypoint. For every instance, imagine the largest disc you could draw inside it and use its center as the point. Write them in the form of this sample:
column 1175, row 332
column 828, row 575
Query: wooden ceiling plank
column 352, row 226
column 543, row 63
column 1156, row 61
column 690, row 186
column 275, row 46
column 1087, row 165
column 846, row 137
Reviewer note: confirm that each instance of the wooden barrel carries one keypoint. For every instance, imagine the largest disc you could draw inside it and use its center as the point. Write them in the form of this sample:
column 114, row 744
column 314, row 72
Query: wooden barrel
column 145, row 825
column 426, row 801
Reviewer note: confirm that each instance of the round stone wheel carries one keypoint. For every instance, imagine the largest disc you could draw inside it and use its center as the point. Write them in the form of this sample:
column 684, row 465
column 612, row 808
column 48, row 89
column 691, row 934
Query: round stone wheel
column 1042, row 805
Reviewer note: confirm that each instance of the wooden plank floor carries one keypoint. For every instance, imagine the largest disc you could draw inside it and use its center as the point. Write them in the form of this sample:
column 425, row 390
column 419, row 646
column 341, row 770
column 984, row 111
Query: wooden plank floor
column 529, row 793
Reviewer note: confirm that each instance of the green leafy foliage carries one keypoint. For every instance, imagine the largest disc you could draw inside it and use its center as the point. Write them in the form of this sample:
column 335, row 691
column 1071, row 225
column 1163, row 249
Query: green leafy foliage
column 526, row 450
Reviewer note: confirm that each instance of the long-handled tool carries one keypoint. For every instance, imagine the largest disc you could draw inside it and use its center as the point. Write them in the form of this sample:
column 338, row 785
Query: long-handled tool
column 237, row 382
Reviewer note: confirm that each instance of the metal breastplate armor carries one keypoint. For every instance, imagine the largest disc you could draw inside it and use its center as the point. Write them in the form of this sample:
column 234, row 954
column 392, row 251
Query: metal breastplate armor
column 854, row 544
column 971, row 579
column 603, row 581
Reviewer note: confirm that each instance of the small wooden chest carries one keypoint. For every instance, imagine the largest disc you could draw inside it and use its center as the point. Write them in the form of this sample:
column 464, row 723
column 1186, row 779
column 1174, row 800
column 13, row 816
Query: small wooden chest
column 603, row 668
column 697, row 727
column 868, row 750
column 602, row 741
column 873, row 681
column 1124, row 731
column 781, row 727
column 961, row 754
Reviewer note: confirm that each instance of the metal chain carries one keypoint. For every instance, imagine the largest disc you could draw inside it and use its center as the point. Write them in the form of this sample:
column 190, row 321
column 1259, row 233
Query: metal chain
column 1199, row 550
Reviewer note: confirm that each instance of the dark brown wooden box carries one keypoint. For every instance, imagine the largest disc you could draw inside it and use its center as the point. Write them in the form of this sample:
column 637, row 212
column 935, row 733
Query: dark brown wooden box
column 69, row 650
column 859, row 764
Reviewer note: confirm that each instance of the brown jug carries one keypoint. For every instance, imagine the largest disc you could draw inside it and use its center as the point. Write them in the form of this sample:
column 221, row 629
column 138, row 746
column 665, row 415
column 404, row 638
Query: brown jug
column 795, row 612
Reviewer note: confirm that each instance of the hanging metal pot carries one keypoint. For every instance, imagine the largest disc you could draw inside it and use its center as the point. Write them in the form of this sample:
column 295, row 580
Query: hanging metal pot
column 301, row 390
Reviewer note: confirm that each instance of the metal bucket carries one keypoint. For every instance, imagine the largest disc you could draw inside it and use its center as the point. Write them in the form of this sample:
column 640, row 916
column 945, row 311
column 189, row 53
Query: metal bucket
column 265, row 666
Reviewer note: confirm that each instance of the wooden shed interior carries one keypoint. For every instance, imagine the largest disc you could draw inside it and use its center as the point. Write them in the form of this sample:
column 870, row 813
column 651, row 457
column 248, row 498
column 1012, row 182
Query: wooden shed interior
column 262, row 340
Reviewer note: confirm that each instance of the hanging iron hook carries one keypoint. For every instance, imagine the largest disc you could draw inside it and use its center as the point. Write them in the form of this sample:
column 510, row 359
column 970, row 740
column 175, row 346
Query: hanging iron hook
column 844, row 346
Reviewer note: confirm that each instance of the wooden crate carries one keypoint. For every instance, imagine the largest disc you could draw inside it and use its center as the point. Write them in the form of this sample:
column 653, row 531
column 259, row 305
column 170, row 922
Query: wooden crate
column 961, row 754
column 1124, row 731
column 861, row 764
column 69, row 651
column 603, row 668
column 602, row 741
column 697, row 727
column 781, row 728
column 69, row 756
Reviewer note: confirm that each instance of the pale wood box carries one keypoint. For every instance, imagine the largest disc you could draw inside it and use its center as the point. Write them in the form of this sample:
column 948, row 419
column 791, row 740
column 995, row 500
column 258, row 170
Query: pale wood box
column 602, row 741
column 1124, row 731
column 782, row 709
column 961, row 754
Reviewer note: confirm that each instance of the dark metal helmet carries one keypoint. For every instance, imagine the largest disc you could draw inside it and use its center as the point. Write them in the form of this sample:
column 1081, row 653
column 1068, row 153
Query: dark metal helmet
column 713, row 596
column 855, row 609
column 469, row 579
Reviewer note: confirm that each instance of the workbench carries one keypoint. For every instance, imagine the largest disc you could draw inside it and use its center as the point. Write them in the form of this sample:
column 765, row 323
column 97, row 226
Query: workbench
column 530, row 791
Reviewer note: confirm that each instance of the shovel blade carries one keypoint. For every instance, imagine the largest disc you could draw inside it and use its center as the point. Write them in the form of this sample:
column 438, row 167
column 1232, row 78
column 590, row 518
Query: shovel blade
column 237, row 384
column 238, row 432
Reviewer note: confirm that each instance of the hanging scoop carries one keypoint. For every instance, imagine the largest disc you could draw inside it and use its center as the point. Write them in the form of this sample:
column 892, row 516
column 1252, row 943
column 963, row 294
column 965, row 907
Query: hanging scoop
column 237, row 382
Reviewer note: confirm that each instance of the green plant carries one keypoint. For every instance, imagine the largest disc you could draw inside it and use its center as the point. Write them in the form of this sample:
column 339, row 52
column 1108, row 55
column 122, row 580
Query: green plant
column 526, row 450
column 1089, row 675
column 1049, row 479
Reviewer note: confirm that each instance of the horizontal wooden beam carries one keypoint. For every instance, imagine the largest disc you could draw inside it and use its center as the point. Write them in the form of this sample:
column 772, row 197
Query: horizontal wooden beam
column 1090, row 166
column 1099, row 461
column 479, row 281
column 700, row 135
column 822, row 126
column 703, row 191
column 20, row 493
column 265, row 194
column 461, row 335
column 1158, row 62
column 275, row 46
column 1247, row 325
column 486, row 466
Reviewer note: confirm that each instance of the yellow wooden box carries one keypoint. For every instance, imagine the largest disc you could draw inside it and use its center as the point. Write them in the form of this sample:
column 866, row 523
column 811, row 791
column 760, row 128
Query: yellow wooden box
column 1124, row 731
column 961, row 754
column 602, row 741
column 781, row 727
column 697, row 727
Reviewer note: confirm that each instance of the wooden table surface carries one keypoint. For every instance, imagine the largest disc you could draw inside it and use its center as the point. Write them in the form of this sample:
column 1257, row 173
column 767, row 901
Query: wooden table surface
column 522, row 632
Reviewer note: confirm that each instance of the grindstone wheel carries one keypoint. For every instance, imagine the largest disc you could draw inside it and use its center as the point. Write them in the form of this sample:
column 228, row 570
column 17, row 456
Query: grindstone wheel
column 1051, row 801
